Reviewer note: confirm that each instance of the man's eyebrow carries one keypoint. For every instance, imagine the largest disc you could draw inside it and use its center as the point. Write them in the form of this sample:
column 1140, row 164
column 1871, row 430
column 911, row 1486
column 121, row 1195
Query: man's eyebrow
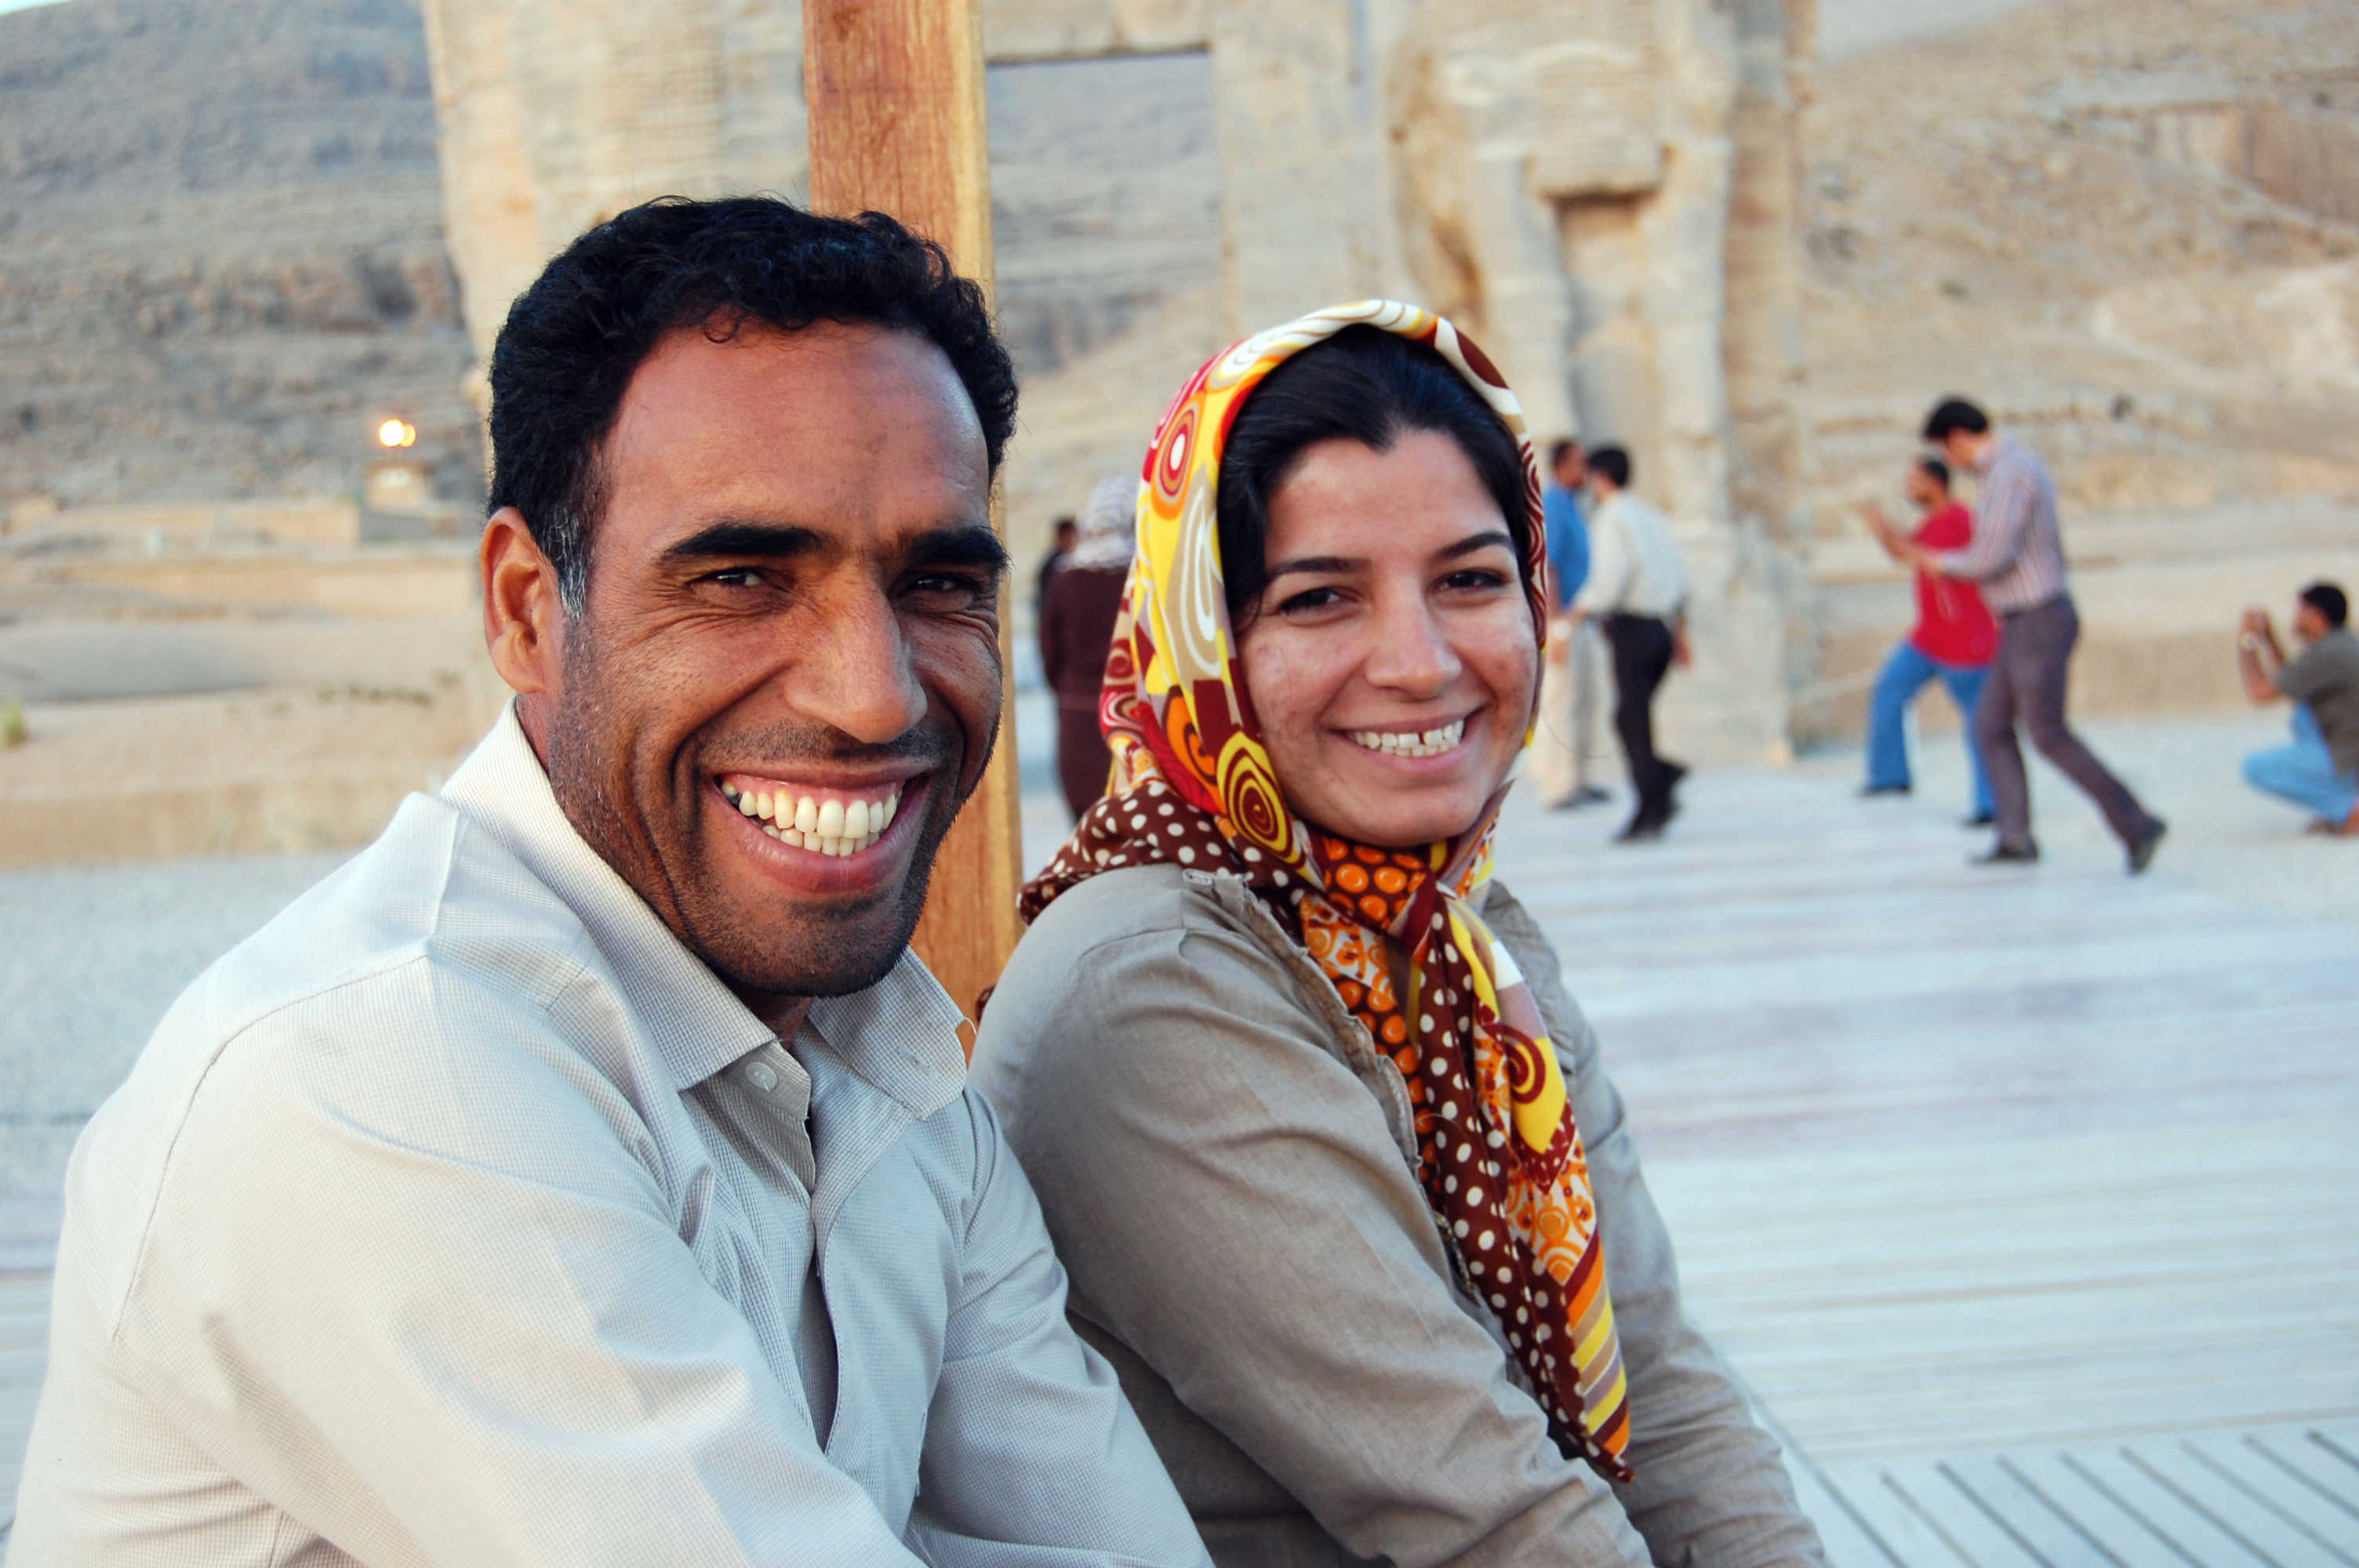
column 737, row 537
column 966, row 545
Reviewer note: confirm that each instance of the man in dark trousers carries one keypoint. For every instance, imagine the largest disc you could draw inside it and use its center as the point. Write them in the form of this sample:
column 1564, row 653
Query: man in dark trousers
column 2016, row 555
column 1638, row 590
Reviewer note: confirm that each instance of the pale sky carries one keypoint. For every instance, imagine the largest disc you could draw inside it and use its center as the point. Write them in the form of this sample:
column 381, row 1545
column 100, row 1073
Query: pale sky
column 8, row 6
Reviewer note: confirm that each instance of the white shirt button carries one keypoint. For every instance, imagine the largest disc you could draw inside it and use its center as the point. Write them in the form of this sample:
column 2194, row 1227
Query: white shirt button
column 763, row 1076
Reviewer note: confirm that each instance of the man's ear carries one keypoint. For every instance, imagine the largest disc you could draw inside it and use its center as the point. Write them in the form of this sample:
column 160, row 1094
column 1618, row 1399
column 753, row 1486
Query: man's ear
column 524, row 616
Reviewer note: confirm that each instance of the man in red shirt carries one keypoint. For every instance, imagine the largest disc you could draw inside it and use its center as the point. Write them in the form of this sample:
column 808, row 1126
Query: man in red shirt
column 1954, row 638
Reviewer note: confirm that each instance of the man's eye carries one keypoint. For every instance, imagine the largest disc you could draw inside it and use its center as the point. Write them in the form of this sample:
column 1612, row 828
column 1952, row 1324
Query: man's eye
column 736, row 577
column 953, row 585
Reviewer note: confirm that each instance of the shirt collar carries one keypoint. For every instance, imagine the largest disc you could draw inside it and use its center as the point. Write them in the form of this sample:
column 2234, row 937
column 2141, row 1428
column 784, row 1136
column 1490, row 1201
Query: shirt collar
column 899, row 1034
column 1992, row 449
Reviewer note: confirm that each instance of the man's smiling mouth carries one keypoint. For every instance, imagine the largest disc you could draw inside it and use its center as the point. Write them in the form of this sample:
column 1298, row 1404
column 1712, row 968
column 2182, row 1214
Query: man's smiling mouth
column 1411, row 742
column 825, row 821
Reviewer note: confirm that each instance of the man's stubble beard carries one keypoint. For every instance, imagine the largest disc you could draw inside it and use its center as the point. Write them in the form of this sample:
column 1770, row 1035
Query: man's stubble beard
column 827, row 952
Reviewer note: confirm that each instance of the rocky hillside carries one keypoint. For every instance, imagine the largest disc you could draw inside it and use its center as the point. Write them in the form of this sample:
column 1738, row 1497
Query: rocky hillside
column 2132, row 226
column 221, row 261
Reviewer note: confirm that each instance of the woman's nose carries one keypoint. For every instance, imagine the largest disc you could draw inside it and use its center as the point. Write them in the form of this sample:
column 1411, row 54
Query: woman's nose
column 1411, row 653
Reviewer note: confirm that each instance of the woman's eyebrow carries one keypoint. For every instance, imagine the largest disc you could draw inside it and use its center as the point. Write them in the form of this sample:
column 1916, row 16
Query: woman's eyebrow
column 1473, row 541
column 1321, row 564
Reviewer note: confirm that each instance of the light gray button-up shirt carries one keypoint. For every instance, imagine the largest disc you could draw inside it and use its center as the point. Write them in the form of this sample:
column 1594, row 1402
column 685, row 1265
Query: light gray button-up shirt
column 461, row 1215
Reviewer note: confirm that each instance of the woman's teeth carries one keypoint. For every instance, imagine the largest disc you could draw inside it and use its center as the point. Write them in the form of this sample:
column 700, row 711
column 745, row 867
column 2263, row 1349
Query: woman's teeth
column 1411, row 743
column 825, row 824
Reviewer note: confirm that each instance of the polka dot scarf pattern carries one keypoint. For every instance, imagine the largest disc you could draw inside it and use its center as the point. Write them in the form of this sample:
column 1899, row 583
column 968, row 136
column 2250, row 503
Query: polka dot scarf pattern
column 1499, row 1157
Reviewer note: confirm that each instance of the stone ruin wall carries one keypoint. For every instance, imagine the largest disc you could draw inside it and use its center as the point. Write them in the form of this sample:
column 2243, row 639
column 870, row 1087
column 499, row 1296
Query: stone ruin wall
column 1603, row 191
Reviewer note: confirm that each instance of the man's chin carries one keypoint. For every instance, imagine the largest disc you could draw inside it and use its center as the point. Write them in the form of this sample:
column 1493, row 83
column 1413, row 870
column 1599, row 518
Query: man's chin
column 832, row 954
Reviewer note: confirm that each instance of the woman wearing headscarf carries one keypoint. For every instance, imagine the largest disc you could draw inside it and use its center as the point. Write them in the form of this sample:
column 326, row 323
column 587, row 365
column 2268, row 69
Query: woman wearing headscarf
column 1076, row 622
column 1343, row 1189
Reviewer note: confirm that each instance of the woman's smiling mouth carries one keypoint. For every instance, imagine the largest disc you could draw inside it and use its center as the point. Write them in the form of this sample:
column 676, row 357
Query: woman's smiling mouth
column 1434, row 742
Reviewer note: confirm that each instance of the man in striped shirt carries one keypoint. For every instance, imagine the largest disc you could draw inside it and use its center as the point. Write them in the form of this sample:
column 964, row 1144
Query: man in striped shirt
column 2016, row 555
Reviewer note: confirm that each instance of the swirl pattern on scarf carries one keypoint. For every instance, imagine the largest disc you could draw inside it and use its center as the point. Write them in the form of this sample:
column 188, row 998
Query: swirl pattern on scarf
column 1499, row 1158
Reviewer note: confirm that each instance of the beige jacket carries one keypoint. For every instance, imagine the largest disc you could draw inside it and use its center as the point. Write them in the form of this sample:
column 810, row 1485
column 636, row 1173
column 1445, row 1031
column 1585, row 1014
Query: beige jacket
column 1226, row 1164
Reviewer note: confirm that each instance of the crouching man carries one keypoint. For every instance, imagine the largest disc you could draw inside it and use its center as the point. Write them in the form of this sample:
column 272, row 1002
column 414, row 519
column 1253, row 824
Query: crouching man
column 585, row 1174
column 2319, row 769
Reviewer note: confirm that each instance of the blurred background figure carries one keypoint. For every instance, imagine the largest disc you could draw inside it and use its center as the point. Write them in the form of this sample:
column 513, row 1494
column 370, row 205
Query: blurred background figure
column 1061, row 550
column 1954, row 638
column 1077, row 615
column 2321, row 769
column 1637, row 589
column 1564, row 753
column 2016, row 554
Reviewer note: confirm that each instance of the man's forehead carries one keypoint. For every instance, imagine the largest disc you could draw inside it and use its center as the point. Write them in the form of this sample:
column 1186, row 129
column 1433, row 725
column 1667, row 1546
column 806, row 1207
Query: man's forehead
column 830, row 420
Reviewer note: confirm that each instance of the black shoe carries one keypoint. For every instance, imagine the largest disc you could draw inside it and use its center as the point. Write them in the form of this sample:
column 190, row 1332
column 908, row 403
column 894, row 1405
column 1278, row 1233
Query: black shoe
column 2141, row 849
column 1869, row 792
column 1978, row 819
column 1640, row 831
column 2005, row 854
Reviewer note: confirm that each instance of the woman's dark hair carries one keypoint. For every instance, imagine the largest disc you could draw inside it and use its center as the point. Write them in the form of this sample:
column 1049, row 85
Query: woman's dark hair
column 575, row 338
column 1363, row 384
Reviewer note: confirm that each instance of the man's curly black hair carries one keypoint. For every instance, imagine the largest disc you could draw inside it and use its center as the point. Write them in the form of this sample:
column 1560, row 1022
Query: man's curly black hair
column 575, row 338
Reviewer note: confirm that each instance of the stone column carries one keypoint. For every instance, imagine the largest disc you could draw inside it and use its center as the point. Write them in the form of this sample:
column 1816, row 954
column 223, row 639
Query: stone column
column 1305, row 214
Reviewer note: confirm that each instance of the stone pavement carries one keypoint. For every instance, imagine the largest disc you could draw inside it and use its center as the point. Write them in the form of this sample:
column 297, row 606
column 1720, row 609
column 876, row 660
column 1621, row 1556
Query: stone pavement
column 2039, row 1176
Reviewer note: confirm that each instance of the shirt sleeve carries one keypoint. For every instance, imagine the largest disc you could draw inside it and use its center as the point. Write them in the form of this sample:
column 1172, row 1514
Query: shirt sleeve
column 425, row 1299
column 1032, row 1453
column 2003, row 511
column 1235, row 1210
column 1611, row 564
column 1710, row 1486
column 2305, row 677
column 1568, row 545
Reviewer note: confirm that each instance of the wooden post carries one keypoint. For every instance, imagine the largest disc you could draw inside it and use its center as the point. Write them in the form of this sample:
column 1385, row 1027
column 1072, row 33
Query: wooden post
column 894, row 93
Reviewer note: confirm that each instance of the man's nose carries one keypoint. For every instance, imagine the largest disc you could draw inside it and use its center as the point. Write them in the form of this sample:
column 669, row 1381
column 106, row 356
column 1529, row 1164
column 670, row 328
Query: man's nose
column 859, row 676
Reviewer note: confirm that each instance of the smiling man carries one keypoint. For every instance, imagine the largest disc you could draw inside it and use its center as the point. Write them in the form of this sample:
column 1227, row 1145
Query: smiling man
column 586, row 1173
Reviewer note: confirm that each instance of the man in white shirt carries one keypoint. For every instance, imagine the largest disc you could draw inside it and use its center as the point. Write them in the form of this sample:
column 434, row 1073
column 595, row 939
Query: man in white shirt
column 586, row 1173
column 1638, row 590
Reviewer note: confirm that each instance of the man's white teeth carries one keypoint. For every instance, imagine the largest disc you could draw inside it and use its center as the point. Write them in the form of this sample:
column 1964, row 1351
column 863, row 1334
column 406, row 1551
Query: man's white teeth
column 829, row 826
column 1408, row 744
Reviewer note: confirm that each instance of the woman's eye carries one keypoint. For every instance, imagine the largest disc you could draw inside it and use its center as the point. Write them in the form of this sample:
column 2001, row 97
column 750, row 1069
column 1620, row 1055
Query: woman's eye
column 1310, row 599
column 1477, row 577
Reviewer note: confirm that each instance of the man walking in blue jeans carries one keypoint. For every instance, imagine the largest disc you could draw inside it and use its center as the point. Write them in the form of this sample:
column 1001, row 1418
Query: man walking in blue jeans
column 2017, row 557
column 1953, row 638
column 2321, row 769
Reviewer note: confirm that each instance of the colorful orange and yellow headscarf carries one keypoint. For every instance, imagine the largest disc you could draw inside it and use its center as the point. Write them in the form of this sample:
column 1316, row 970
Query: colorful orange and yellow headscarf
column 1500, row 1159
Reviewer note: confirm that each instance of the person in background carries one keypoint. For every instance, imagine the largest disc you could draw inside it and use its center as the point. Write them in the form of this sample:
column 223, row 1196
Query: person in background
column 585, row 1175
column 1564, row 749
column 1077, row 627
column 2320, row 770
column 1347, row 1196
column 1061, row 549
column 2017, row 555
column 1637, row 592
column 1954, row 638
